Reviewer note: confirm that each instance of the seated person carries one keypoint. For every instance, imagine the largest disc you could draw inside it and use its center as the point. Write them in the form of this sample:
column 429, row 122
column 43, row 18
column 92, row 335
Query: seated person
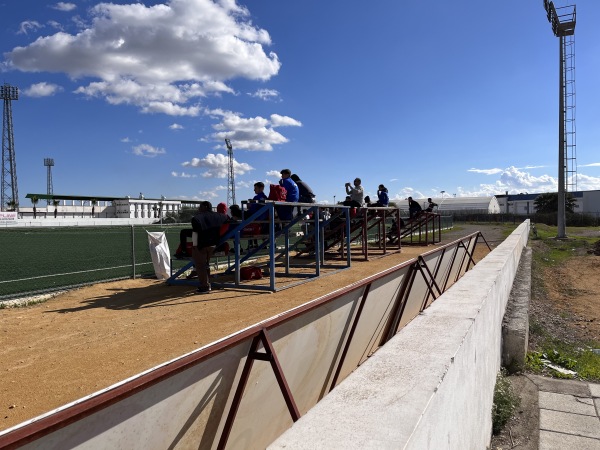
column 383, row 198
column 431, row 205
column 414, row 209
column 292, row 195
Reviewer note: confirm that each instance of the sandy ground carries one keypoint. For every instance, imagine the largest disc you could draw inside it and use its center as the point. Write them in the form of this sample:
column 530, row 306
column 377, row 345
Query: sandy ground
column 84, row 340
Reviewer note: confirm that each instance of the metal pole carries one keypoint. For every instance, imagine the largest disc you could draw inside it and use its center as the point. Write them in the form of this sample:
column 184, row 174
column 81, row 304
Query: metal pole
column 561, row 219
column 133, row 249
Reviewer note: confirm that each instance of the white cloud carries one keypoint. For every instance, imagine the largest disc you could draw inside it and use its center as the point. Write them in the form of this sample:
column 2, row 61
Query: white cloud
column 217, row 166
column 589, row 165
column 176, row 126
column 126, row 140
column 63, row 6
column 148, row 150
column 42, row 89
column 273, row 174
column 266, row 94
column 486, row 171
column 284, row 121
column 156, row 57
column 207, row 195
column 183, row 175
column 587, row 183
column 28, row 25
column 255, row 134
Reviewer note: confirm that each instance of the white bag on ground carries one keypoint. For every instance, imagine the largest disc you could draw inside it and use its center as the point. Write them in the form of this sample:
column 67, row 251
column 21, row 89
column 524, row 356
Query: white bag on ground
column 161, row 256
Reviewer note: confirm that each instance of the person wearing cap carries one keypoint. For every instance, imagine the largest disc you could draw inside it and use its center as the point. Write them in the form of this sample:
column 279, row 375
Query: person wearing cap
column 293, row 194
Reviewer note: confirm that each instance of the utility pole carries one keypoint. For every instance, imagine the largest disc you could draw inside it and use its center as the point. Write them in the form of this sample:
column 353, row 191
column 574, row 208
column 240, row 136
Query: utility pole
column 230, row 175
column 10, row 191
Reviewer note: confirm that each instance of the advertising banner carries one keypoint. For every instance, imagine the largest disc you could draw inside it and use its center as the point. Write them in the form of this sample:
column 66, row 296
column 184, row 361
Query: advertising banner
column 6, row 216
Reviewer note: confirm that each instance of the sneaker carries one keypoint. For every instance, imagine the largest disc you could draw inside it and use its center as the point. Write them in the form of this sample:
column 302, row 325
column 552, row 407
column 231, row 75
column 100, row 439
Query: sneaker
column 203, row 290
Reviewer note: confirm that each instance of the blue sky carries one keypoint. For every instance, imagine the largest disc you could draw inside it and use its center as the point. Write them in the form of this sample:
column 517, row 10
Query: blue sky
column 423, row 97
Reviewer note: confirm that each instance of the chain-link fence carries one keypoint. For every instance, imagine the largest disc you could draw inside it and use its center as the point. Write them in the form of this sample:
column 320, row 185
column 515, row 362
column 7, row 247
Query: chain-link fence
column 45, row 259
column 38, row 260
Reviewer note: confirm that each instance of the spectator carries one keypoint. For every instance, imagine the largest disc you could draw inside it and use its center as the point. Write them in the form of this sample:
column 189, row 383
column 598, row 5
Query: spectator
column 306, row 194
column 414, row 209
column 259, row 197
column 186, row 234
column 356, row 193
column 293, row 195
column 431, row 204
column 255, row 204
column 382, row 196
column 207, row 224
column 235, row 212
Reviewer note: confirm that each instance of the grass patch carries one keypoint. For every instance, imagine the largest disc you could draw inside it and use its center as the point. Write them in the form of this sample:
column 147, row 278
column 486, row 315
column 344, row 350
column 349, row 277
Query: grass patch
column 582, row 360
column 552, row 252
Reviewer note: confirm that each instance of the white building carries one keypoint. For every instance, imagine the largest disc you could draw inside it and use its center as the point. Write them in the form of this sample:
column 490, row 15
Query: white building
column 586, row 202
column 455, row 204
column 74, row 207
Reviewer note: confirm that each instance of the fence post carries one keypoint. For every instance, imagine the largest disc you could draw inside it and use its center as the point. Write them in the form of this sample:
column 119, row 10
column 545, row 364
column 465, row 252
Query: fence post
column 133, row 249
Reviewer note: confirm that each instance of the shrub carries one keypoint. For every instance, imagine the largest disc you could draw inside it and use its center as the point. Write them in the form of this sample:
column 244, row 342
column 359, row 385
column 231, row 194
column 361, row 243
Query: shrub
column 505, row 402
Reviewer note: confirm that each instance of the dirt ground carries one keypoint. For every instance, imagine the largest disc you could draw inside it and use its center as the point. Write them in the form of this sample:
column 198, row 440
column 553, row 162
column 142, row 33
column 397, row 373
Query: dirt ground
column 84, row 340
column 568, row 308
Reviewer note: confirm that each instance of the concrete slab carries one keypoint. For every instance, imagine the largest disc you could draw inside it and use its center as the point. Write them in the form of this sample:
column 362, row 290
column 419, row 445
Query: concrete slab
column 567, row 403
column 573, row 387
column 552, row 441
column 594, row 389
column 567, row 423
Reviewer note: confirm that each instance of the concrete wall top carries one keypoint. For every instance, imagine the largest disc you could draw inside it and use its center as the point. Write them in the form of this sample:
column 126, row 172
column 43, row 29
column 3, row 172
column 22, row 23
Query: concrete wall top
column 432, row 385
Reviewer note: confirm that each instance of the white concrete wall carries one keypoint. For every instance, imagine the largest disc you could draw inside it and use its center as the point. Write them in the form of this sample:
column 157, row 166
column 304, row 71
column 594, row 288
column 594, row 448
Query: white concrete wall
column 431, row 386
column 76, row 222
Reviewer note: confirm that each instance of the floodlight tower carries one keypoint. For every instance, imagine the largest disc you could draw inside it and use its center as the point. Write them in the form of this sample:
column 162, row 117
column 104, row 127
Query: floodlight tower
column 563, row 27
column 49, row 162
column 10, row 192
column 230, row 175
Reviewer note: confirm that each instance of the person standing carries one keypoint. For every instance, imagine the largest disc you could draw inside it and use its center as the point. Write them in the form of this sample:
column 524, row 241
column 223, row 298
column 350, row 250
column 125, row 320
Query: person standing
column 293, row 195
column 207, row 224
column 356, row 193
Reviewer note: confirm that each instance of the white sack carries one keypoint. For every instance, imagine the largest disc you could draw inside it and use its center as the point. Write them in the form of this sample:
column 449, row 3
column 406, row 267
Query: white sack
column 159, row 250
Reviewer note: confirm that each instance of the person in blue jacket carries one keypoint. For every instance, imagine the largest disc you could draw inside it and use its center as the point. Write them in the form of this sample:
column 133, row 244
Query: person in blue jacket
column 383, row 198
column 293, row 195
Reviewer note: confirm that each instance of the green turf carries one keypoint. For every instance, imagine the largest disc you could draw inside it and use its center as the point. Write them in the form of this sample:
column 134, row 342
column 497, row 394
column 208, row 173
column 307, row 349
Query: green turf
column 43, row 259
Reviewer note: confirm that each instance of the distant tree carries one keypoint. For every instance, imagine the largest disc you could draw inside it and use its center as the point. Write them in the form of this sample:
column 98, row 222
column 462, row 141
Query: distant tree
column 94, row 202
column 34, row 200
column 548, row 203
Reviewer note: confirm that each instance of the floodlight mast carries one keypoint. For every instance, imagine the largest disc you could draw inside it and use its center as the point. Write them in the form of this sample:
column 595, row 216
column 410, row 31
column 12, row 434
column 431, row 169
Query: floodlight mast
column 49, row 163
column 9, row 190
column 563, row 25
column 230, row 175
